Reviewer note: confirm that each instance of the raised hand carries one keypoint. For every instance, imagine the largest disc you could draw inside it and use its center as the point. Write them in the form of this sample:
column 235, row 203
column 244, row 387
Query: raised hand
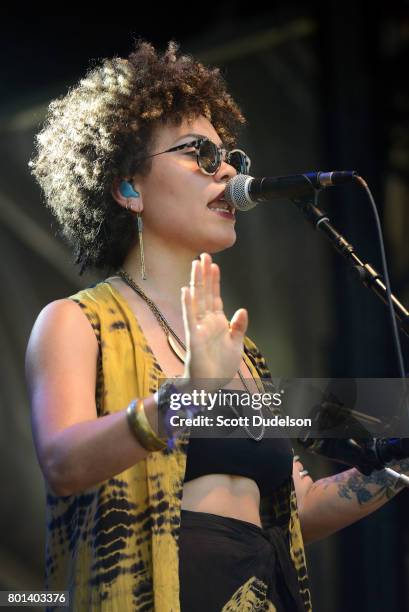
column 214, row 345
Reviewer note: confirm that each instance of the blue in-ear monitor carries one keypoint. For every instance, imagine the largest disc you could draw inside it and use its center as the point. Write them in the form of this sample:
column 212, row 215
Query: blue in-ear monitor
column 127, row 191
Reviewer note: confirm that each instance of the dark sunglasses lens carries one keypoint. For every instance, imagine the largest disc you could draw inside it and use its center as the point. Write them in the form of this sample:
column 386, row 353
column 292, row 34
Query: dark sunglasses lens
column 209, row 157
column 239, row 161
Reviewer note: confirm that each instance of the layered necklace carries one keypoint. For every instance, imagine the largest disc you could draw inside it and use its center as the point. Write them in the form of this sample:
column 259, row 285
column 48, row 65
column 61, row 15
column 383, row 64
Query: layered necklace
column 176, row 344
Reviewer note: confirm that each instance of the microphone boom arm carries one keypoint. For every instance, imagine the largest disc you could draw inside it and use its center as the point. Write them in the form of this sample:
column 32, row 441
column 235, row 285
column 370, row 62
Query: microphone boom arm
column 365, row 271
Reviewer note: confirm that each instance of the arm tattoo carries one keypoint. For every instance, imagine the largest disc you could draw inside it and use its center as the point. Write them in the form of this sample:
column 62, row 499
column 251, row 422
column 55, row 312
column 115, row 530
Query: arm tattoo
column 365, row 488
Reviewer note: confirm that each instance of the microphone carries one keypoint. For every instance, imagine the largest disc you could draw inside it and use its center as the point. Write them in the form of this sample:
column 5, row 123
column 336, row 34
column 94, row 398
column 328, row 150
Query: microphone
column 350, row 442
column 366, row 454
column 245, row 192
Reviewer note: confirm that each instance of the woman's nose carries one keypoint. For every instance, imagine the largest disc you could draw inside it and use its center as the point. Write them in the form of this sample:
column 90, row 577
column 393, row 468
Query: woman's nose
column 225, row 172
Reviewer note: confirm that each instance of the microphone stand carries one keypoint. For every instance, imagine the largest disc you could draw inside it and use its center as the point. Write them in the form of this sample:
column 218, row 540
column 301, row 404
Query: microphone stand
column 365, row 271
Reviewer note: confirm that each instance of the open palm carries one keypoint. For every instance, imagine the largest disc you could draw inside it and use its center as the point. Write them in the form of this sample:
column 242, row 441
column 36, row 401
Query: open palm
column 214, row 345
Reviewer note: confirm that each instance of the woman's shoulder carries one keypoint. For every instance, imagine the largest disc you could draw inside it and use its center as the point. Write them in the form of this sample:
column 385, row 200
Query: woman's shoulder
column 94, row 302
column 93, row 294
column 108, row 311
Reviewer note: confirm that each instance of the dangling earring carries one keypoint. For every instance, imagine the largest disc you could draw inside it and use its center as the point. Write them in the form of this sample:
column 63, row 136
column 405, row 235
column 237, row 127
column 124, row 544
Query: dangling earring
column 127, row 191
column 140, row 238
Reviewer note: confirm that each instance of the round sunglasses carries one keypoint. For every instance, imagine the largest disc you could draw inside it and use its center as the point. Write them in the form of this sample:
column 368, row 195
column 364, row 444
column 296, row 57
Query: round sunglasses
column 209, row 156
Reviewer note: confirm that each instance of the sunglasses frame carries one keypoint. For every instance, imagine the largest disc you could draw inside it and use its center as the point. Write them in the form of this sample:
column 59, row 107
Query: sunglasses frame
column 222, row 154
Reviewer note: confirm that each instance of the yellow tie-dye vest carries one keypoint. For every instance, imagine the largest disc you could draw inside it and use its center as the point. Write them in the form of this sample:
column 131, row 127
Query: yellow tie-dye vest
column 114, row 547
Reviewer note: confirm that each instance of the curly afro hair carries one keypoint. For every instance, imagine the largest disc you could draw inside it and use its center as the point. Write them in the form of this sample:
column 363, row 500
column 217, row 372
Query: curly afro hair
column 104, row 125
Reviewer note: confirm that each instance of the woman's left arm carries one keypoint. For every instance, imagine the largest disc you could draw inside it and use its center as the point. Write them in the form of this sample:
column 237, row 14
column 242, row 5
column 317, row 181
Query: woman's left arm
column 329, row 504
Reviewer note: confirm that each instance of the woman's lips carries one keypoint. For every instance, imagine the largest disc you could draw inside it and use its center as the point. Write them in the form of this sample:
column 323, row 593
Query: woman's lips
column 221, row 205
column 223, row 212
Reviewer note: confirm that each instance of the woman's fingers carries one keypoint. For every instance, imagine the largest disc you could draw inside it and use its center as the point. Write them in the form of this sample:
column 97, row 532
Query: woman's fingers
column 238, row 324
column 204, row 294
column 217, row 300
column 187, row 311
column 206, row 262
column 197, row 290
column 213, row 344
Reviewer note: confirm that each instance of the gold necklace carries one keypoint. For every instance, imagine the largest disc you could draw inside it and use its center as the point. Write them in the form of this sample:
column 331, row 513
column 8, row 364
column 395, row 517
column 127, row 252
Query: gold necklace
column 172, row 336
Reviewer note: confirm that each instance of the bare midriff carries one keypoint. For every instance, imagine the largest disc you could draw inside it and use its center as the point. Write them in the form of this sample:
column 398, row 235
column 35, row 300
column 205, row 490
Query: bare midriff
column 228, row 495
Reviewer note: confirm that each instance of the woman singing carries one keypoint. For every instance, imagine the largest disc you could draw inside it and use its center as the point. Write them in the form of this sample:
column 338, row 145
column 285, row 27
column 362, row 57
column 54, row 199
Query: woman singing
column 133, row 161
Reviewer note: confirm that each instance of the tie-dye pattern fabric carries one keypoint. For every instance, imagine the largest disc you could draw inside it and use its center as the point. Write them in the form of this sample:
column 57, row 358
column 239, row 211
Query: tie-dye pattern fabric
column 115, row 545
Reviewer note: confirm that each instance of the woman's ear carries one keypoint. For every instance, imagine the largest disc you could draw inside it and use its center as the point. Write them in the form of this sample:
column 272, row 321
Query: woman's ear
column 126, row 195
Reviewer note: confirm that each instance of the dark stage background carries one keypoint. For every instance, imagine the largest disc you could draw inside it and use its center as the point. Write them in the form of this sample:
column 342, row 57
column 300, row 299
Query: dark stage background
column 323, row 87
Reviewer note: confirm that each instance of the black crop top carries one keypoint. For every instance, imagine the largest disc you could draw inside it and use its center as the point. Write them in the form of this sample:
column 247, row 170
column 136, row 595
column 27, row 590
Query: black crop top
column 268, row 462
